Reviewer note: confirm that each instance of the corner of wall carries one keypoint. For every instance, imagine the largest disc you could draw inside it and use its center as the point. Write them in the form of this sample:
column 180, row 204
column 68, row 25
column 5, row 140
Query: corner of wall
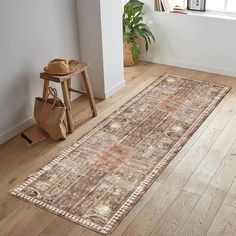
column 16, row 130
column 114, row 89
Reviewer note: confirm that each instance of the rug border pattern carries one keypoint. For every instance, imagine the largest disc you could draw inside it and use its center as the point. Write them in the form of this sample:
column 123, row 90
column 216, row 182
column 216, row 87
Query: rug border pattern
column 143, row 186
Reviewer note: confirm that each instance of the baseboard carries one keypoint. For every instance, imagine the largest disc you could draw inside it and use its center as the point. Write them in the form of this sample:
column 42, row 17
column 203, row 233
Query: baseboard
column 16, row 130
column 114, row 89
column 190, row 65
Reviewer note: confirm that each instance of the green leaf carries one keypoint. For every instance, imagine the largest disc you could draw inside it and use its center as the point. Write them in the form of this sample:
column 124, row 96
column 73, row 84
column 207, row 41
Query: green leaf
column 146, row 44
column 138, row 33
column 136, row 20
column 134, row 27
column 135, row 51
column 126, row 38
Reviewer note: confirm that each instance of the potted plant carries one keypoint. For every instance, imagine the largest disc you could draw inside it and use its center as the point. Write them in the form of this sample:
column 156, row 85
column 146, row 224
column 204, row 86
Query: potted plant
column 134, row 29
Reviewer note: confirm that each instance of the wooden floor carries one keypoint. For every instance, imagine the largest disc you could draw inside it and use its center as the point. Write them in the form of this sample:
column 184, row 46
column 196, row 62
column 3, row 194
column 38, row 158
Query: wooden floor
column 194, row 195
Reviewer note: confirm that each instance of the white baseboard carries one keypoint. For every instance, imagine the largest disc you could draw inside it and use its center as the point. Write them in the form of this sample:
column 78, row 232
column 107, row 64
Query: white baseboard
column 114, row 89
column 16, row 130
column 190, row 65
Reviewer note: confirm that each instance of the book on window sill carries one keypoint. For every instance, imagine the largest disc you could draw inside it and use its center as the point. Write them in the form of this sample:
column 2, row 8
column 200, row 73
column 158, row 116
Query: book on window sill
column 166, row 5
column 162, row 5
column 157, row 5
column 33, row 136
column 179, row 10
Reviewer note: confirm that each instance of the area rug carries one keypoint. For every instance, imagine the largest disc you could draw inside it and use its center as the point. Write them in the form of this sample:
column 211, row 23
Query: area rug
column 100, row 178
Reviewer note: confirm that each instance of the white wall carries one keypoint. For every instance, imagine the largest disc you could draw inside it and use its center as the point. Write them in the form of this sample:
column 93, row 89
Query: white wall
column 90, row 41
column 32, row 33
column 100, row 38
column 197, row 42
column 112, row 37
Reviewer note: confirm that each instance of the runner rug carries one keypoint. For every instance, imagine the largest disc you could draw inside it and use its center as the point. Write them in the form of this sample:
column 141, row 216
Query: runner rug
column 100, row 178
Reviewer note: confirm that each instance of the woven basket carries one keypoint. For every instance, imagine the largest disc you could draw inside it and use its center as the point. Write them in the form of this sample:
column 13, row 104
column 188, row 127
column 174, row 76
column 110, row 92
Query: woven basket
column 128, row 60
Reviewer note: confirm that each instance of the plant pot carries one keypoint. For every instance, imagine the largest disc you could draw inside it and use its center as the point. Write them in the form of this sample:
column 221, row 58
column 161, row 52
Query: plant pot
column 128, row 60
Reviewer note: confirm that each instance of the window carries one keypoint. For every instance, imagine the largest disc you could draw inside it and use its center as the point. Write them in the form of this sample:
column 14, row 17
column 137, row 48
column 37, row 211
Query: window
column 224, row 6
column 221, row 6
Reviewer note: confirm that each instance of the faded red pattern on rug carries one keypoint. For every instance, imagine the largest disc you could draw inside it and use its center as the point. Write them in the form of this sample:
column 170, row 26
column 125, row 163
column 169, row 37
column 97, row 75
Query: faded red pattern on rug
column 100, row 178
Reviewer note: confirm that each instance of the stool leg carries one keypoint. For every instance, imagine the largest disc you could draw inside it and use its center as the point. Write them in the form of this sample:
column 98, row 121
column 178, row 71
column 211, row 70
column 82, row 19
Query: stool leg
column 89, row 92
column 68, row 106
column 69, row 87
column 45, row 88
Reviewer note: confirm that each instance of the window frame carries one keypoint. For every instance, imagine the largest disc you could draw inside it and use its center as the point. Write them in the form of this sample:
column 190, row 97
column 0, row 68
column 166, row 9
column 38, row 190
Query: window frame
column 224, row 12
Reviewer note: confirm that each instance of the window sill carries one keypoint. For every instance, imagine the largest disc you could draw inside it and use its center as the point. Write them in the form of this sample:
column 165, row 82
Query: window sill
column 204, row 14
column 212, row 15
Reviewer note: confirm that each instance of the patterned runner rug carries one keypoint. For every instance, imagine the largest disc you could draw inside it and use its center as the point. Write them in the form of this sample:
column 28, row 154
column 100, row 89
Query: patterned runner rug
column 100, row 178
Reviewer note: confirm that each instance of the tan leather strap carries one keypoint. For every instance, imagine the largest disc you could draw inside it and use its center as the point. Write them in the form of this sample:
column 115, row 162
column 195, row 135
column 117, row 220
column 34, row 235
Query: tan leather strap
column 53, row 93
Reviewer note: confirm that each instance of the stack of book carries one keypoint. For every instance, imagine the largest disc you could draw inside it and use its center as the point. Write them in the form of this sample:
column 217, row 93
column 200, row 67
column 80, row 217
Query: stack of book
column 180, row 10
column 33, row 136
column 162, row 5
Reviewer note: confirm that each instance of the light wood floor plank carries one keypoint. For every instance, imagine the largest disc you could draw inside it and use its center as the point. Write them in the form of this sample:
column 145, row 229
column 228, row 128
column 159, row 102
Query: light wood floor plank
column 8, row 205
column 12, row 224
column 210, row 202
column 35, row 224
column 224, row 223
column 172, row 222
column 58, row 226
column 82, row 231
column 206, row 170
column 226, row 113
column 231, row 196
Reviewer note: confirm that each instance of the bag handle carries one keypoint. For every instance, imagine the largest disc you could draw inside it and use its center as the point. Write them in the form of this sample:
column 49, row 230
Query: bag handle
column 53, row 92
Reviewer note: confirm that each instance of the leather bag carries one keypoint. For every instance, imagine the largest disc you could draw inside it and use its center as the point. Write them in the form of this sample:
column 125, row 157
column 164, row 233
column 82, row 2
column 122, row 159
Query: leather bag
column 50, row 114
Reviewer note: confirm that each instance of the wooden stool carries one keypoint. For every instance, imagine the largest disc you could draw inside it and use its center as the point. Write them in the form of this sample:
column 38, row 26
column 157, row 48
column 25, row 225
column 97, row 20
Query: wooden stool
column 65, row 81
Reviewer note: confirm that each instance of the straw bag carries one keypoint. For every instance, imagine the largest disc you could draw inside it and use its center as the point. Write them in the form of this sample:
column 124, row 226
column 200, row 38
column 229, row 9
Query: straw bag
column 50, row 115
